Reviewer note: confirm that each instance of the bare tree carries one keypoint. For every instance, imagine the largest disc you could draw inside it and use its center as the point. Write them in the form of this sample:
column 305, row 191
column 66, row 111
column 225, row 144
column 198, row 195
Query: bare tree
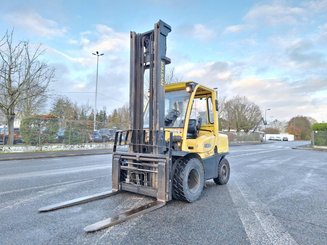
column 32, row 105
column 221, row 105
column 171, row 76
column 2, row 118
column 240, row 113
column 119, row 118
column 23, row 77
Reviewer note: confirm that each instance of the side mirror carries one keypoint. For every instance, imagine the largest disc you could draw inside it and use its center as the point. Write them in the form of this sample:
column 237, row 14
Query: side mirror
column 216, row 101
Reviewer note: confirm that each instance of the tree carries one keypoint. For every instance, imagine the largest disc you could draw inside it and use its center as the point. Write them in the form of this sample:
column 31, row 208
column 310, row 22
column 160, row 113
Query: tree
column 280, row 125
column 85, row 111
column 300, row 127
column 119, row 118
column 24, row 79
column 241, row 114
column 101, row 117
column 75, row 121
column 65, row 109
column 171, row 77
column 39, row 129
column 2, row 117
column 271, row 130
column 221, row 107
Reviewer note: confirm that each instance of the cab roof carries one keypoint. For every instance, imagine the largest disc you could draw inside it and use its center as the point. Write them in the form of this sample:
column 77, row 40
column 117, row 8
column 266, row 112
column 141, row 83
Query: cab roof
column 182, row 85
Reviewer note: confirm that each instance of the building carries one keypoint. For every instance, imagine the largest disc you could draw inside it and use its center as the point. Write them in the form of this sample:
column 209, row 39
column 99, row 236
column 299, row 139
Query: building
column 280, row 137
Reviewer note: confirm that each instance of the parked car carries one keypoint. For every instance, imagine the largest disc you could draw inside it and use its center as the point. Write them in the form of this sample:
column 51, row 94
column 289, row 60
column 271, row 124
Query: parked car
column 60, row 135
column 285, row 139
column 4, row 136
column 107, row 134
column 96, row 137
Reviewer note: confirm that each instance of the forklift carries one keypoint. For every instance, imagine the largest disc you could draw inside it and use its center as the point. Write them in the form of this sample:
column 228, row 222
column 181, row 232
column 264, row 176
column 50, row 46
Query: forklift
column 173, row 145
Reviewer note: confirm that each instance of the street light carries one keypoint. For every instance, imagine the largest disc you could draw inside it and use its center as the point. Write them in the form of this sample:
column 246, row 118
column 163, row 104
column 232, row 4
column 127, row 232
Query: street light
column 266, row 122
column 96, row 90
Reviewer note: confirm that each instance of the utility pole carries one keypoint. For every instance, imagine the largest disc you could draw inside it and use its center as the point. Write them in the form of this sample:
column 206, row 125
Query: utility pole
column 96, row 90
column 266, row 122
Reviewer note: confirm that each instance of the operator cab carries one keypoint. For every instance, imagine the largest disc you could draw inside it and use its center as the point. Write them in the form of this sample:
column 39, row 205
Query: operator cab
column 190, row 112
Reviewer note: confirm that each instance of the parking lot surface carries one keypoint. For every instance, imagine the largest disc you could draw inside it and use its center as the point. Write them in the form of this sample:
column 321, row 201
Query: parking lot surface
column 276, row 195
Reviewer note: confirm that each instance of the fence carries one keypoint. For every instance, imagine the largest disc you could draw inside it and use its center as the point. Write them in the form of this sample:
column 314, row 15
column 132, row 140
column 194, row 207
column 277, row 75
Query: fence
column 37, row 131
column 242, row 137
column 319, row 138
column 47, row 130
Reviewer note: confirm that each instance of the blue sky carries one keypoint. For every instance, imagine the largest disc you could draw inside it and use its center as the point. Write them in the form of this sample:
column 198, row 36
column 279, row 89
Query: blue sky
column 273, row 52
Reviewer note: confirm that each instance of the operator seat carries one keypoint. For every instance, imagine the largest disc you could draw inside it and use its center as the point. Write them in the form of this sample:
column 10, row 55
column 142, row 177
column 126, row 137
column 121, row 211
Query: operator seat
column 193, row 128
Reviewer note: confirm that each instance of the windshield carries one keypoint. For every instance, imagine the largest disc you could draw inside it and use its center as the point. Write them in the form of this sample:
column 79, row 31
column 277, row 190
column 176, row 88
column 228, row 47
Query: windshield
column 175, row 109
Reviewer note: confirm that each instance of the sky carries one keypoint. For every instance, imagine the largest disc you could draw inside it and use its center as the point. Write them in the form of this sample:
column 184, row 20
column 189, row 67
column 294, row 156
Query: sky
column 272, row 52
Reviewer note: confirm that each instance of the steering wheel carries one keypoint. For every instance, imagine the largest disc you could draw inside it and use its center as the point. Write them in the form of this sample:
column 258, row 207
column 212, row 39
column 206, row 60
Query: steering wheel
column 198, row 126
column 171, row 117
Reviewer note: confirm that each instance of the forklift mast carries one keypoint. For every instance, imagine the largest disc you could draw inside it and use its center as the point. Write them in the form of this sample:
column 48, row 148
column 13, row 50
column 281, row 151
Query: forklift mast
column 148, row 52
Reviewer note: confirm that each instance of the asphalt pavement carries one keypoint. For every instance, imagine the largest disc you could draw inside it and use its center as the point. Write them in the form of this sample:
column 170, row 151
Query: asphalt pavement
column 276, row 195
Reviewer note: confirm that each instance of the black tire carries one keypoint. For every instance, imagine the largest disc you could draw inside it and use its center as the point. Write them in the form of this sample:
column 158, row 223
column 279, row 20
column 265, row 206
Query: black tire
column 223, row 172
column 188, row 180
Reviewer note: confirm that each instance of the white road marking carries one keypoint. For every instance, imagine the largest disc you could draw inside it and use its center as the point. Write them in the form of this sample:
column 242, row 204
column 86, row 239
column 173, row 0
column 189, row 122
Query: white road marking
column 56, row 172
column 52, row 185
column 261, row 226
column 255, row 153
column 241, row 150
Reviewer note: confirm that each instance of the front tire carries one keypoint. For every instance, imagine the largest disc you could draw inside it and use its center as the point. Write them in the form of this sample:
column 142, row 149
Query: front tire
column 188, row 181
column 223, row 172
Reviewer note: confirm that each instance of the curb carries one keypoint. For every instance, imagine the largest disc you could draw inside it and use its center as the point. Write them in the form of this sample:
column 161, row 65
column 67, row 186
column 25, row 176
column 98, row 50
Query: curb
column 309, row 148
column 52, row 154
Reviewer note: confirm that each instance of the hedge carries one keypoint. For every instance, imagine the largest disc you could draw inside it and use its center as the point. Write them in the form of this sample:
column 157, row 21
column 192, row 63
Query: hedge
column 319, row 127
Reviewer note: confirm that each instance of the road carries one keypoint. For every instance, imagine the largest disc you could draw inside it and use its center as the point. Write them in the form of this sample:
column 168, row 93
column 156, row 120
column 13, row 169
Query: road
column 276, row 195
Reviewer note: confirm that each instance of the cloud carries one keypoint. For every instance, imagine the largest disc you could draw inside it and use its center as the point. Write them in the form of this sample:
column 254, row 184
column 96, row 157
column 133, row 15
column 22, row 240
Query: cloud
column 286, row 98
column 109, row 40
column 202, row 32
column 78, row 76
column 210, row 72
column 34, row 22
column 316, row 6
column 235, row 28
column 311, row 85
column 103, row 39
column 303, row 55
column 322, row 34
column 80, row 86
column 274, row 14
column 279, row 14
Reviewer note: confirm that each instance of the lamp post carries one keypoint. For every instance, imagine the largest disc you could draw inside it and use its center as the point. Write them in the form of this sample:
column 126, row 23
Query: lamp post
column 266, row 122
column 96, row 90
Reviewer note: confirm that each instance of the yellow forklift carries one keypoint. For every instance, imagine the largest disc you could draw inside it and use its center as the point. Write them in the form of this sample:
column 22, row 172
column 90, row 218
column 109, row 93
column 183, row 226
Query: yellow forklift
column 173, row 145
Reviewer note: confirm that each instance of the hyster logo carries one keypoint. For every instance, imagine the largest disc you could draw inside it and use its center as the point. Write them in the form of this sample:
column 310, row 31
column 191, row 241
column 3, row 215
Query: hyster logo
column 162, row 80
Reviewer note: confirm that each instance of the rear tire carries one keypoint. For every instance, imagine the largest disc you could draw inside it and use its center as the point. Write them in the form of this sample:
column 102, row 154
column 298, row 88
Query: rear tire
column 223, row 172
column 188, row 180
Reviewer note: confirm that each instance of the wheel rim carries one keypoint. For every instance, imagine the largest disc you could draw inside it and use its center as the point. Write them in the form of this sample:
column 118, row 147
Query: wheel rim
column 224, row 171
column 193, row 180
